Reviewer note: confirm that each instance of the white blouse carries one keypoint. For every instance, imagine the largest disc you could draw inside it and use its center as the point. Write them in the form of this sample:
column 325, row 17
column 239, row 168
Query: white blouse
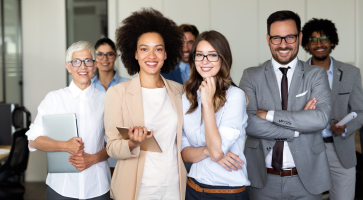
column 88, row 106
column 160, row 169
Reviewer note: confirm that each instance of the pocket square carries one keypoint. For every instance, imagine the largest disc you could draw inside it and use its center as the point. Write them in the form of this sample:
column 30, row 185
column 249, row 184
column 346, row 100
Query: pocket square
column 302, row 94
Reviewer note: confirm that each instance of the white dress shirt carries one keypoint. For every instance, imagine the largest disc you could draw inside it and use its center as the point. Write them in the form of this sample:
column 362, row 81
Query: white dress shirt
column 160, row 169
column 231, row 121
column 287, row 159
column 88, row 106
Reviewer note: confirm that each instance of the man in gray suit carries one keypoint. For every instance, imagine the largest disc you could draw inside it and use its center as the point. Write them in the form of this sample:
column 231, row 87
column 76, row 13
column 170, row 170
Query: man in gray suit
column 289, row 107
column 320, row 38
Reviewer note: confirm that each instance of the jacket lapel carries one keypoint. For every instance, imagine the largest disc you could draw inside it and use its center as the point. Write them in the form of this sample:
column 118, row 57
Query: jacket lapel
column 134, row 102
column 295, row 84
column 337, row 76
column 272, row 84
column 175, row 98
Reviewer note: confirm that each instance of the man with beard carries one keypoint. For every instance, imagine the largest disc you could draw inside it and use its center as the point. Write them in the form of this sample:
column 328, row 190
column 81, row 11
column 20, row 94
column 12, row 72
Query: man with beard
column 289, row 106
column 182, row 72
column 320, row 38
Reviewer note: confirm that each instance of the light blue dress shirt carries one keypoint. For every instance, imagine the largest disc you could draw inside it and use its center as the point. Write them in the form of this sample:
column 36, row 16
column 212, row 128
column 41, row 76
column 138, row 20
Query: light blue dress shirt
column 116, row 80
column 327, row 131
column 184, row 71
column 231, row 121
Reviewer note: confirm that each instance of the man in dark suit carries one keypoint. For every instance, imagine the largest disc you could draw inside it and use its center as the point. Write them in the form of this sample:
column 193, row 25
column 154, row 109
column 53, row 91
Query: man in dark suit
column 320, row 38
column 182, row 72
column 289, row 106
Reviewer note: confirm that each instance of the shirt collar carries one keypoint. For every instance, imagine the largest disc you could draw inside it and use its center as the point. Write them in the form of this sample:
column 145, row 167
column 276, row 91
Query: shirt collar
column 331, row 67
column 183, row 66
column 76, row 91
column 277, row 65
column 116, row 78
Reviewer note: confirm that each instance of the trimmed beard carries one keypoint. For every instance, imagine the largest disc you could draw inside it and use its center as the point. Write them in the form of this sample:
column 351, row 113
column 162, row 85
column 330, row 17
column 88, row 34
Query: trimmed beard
column 321, row 58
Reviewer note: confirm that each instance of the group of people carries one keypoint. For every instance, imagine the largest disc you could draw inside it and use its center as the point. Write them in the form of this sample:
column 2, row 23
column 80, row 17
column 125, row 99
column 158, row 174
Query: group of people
column 288, row 109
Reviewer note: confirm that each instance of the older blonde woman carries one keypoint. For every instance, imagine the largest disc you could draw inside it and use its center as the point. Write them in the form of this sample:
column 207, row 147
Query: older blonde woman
column 89, row 155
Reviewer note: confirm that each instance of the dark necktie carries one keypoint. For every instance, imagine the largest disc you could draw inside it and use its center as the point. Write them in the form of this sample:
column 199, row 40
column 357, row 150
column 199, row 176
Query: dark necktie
column 278, row 149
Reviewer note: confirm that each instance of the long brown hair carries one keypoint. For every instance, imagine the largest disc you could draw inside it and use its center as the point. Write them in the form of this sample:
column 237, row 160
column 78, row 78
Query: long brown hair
column 223, row 77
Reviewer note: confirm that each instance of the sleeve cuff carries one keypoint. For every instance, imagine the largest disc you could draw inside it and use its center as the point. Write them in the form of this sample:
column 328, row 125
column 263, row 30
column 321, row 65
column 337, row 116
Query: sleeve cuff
column 270, row 116
column 345, row 132
column 296, row 134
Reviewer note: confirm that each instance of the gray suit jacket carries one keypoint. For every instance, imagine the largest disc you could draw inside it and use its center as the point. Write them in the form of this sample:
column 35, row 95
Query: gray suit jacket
column 346, row 97
column 308, row 150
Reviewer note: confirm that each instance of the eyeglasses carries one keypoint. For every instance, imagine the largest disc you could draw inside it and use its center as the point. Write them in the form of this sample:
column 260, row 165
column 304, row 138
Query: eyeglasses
column 210, row 57
column 323, row 40
column 77, row 63
column 109, row 55
column 289, row 39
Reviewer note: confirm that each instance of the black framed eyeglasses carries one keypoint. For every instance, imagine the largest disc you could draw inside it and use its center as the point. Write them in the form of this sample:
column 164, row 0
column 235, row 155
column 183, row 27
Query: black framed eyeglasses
column 210, row 57
column 109, row 55
column 289, row 39
column 77, row 63
column 323, row 40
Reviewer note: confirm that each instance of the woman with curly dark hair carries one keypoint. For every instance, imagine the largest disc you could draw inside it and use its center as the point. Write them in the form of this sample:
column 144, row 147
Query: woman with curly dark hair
column 149, row 44
column 215, row 119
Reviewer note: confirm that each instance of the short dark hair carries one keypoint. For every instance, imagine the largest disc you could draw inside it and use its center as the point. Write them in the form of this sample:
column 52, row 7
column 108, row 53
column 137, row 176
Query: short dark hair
column 105, row 41
column 283, row 15
column 148, row 20
column 189, row 28
column 323, row 26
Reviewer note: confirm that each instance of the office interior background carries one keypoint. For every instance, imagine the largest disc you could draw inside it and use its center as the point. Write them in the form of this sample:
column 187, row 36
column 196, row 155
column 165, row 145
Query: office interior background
column 36, row 33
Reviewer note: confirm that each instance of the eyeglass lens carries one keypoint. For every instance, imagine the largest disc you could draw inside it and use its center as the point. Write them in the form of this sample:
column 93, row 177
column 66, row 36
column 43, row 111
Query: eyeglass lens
column 323, row 40
column 78, row 63
column 108, row 55
column 290, row 39
column 210, row 57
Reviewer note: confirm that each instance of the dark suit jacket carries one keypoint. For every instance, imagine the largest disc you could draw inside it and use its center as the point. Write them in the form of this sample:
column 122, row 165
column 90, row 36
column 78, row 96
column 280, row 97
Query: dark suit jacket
column 174, row 75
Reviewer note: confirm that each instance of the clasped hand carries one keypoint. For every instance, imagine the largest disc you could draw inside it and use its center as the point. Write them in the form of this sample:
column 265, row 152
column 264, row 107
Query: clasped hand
column 207, row 90
column 79, row 158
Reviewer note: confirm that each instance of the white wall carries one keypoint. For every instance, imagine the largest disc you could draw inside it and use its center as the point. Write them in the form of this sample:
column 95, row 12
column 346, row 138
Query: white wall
column 243, row 22
column 44, row 46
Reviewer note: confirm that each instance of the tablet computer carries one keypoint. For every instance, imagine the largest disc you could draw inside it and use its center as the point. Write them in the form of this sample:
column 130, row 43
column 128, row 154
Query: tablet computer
column 150, row 144
column 60, row 127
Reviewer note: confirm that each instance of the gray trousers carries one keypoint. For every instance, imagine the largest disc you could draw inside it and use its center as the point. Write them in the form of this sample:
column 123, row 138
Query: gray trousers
column 282, row 188
column 343, row 179
column 53, row 195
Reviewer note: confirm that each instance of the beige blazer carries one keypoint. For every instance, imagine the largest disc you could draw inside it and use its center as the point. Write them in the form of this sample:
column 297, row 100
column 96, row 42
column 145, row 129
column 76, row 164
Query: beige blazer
column 123, row 107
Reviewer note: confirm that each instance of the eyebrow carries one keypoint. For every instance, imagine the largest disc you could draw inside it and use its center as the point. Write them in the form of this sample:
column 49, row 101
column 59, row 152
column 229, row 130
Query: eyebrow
column 208, row 51
column 148, row 45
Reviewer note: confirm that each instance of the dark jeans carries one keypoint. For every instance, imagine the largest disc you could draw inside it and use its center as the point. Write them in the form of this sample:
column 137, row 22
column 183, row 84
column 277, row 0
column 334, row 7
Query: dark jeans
column 191, row 194
column 53, row 195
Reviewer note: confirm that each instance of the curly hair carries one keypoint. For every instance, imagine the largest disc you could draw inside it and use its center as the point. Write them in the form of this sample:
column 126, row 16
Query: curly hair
column 323, row 26
column 145, row 21
column 223, row 77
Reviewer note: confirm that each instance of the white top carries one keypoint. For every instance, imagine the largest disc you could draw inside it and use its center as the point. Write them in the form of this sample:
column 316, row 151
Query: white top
column 88, row 106
column 231, row 121
column 287, row 159
column 161, row 169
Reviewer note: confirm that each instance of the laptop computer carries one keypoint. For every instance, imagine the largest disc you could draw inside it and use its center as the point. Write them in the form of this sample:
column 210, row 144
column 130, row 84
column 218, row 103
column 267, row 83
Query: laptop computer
column 60, row 127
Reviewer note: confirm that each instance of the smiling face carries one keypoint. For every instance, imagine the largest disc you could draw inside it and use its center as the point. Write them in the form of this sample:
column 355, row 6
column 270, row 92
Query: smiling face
column 105, row 64
column 83, row 74
column 206, row 68
column 189, row 40
column 284, row 53
column 319, row 51
column 150, row 53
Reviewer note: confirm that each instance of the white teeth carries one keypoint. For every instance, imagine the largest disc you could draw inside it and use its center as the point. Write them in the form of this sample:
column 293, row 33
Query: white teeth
column 287, row 51
column 104, row 64
column 186, row 54
column 151, row 63
column 320, row 50
column 82, row 73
